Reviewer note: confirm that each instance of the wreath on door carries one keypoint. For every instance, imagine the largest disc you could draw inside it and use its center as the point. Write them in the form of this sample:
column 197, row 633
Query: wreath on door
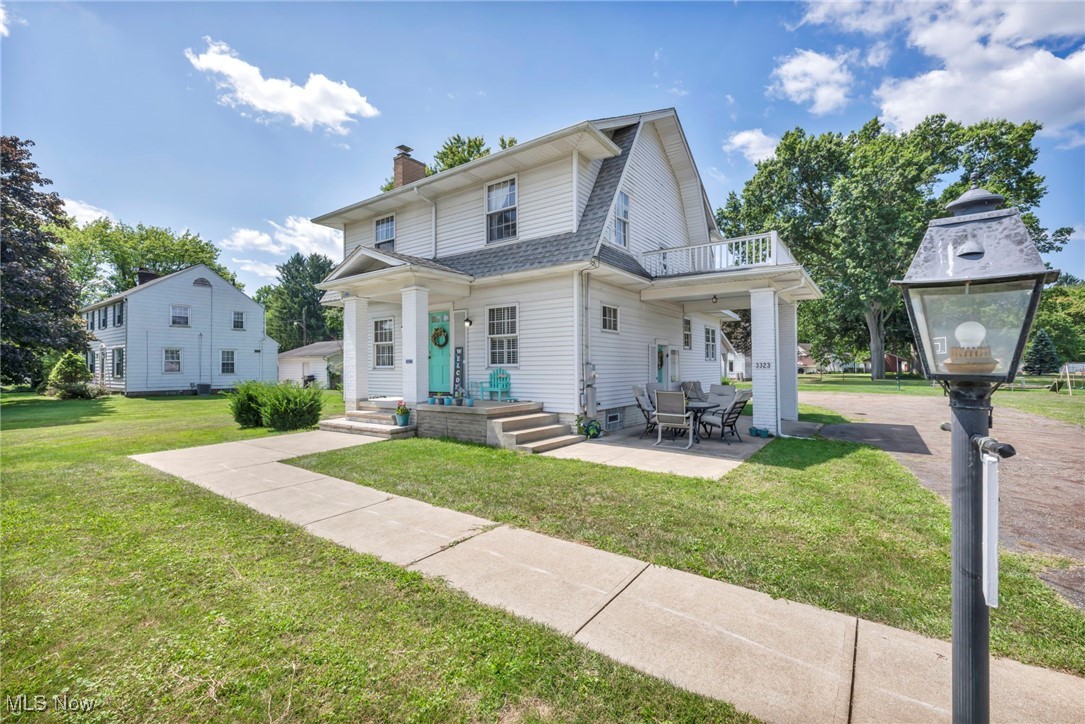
column 439, row 337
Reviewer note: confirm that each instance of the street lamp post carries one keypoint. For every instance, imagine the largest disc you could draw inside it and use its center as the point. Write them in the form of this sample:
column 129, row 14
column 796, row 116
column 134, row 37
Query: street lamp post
column 971, row 293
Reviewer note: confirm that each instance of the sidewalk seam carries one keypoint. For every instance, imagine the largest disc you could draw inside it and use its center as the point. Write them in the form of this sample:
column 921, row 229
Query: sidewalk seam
column 321, row 520
column 619, row 590
column 854, row 661
column 481, row 531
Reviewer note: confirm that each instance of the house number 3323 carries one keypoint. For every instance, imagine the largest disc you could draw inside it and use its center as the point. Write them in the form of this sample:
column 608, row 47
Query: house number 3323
column 762, row 365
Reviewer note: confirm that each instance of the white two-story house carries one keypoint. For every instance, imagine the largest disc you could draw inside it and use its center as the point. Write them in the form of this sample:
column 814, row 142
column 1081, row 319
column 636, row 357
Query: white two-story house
column 582, row 262
column 184, row 331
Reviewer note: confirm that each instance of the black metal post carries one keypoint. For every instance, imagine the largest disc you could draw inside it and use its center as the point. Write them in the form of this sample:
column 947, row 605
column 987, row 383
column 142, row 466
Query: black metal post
column 970, row 404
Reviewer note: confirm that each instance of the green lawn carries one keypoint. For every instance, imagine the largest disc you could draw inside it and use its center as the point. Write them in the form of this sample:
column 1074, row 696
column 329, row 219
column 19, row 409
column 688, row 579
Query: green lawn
column 164, row 601
column 837, row 525
column 1061, row 406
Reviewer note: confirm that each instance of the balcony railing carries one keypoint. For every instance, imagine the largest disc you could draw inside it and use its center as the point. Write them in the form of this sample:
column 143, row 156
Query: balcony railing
column 741, row 253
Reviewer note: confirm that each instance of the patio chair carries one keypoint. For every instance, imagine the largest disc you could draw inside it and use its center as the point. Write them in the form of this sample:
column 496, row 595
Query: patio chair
column 722, row 395
column 693, row 391
column 728, row 418
column 499, row 382
column 671, row 414
column 646, row 409
column 653, row 388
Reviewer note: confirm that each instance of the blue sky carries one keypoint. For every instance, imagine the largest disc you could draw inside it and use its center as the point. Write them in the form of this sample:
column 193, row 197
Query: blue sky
column 239, row 121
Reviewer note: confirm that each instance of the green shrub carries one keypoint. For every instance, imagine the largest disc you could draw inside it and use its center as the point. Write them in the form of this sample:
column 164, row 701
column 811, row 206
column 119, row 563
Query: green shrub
column 286, row 406
column 245, row 402
column 69, row 378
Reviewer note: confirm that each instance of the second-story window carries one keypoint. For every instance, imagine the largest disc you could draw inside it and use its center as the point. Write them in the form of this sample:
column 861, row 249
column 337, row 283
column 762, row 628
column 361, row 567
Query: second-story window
column 118, row 313
column 621, row 220
column 501, row 210
column 90, row 321
column 103, row 317
column 384, row 233
column 178, row 315
column 239, row 321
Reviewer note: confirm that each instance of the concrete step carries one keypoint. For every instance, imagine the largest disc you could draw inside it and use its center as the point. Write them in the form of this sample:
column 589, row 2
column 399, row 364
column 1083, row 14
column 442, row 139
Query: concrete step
column 380, row 417
column 535, row 434
column 353, row 427
column 523, row 422
column 552, row 443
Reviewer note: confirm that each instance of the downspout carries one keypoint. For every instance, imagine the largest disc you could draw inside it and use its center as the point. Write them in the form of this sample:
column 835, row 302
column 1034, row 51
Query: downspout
column 584, row 283
column 433, row 224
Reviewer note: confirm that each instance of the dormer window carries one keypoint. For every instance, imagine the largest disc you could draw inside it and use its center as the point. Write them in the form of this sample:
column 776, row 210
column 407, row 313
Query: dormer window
column 621, row 220
column 384, row 233
column 501, row 210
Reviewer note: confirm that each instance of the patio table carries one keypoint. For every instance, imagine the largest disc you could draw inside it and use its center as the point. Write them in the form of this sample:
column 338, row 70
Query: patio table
column 698, row 409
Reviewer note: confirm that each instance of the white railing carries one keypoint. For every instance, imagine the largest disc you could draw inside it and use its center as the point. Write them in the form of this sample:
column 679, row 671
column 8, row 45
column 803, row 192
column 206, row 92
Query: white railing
column 741, row 253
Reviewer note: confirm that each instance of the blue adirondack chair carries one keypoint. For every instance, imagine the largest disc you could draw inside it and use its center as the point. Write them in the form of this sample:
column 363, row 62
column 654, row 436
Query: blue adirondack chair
column 499, row 382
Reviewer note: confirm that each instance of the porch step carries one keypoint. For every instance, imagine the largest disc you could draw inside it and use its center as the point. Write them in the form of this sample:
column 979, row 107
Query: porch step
column 552, row 443
column 523, row 422
column 535, row 434
column 379, row 417
column 373, row 429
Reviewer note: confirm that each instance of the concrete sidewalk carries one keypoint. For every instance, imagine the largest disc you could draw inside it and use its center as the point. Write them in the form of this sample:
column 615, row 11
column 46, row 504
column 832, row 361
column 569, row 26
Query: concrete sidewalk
column 777, row 659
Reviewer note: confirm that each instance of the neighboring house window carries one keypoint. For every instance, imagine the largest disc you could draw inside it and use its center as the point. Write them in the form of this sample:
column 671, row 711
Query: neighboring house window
column 90, row 321
column 118, row 364
column 621, row 220
column 239, row 321
column 90, row 361
column 709, row 343
column 227, row 359
column 385, row 233
column 384, row 338
column 687, row 333
column 501, row 210
column 118, row 313
column 502, row 329
column 610, row 319
column 103, row 318
column 730, row 365
column 178, row 315
column 171, row 359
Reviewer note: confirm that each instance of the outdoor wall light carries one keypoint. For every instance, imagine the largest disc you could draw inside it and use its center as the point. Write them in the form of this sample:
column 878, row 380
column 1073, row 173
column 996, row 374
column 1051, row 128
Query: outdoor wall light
column 971, row 293
column 467, row 322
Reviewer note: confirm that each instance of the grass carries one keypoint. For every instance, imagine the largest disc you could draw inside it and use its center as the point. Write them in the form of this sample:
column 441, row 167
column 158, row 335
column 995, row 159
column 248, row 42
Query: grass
column 164, row 601
column 1032, row 399
column 836, row 525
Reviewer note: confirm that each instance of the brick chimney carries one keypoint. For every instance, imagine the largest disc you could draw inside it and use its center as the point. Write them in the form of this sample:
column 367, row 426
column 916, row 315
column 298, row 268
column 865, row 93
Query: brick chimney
column 144, row 275
column 406, row 169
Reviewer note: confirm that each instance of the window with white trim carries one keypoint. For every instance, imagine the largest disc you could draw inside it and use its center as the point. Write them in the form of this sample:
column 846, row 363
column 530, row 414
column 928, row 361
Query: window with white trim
column 621, row 220
column 227, row 360
column 179, row 315
column 501, row 210
column 709, row 343
column 610, row 319
column 687, row 333
column 384, row 233
column 171, row 359
column 90, row 361
column 384, row 343
column 238, row 321
column 118, row 313
column 103, row 318
column 502, row 335
column 118, row 364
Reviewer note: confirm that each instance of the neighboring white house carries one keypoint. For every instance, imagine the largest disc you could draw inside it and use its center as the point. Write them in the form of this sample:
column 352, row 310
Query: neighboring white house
column 583, row 262
column 323, row 361
column 176, row 332
column 732, row 362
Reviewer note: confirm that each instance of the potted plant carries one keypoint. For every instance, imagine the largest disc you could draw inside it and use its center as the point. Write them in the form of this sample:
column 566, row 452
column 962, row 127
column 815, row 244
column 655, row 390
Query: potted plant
column 459, row 398
column 469, row 401
column 403, row 414
column 448, row 400
column 432, row 400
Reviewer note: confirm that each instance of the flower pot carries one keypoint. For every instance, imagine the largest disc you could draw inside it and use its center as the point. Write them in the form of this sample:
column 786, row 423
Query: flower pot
column 448, row 402
column 470, row 402
column 763, row 433
column 754, row 431
column 402, row 420
column 459, row 402
column 432, row 400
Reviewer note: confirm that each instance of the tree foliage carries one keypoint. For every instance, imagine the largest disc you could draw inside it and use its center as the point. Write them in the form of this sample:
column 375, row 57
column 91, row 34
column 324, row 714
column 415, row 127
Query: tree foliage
column 69, row 377
column 1061, row 315
column 39, row 302
column 853, row 209
column 104, row 256
column 1041, row 357
column 292, row 307
column 456, row 151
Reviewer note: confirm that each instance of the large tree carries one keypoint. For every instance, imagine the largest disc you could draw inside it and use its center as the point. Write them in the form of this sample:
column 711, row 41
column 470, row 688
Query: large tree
column 853, row 208
column 39, row 302
column 1062, row 315
column 293, row 310
column 104, row 255
column 456, row 151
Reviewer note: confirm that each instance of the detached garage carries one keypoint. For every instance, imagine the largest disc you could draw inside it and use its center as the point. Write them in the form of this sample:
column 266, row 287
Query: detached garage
column 320, row 362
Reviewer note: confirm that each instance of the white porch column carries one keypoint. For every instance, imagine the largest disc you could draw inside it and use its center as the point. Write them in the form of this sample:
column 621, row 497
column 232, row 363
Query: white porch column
column 355, row 351
column 765, row 360
column 415, row 344
column 789, row 374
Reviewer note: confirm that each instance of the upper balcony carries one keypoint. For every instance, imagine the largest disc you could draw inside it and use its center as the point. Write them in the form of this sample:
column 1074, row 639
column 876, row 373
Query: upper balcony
column 744, row 252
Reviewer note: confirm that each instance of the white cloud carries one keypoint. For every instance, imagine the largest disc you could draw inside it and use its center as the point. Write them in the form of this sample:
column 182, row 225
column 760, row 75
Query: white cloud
column 320, row 102
column 83, row 212
column 990, row 59
column 730, row 99
column 717, row 174
column 7, row 19
column 259, row 268
column 877, row 55
column 807, row 76
column 754, row 144
column 678, row 90
column 295, row 234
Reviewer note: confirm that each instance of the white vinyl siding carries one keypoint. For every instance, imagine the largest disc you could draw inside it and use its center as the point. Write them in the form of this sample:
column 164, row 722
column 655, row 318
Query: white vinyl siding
column 589, row 171
column 384, row 335
column 502, row 335
column 172, row 360
column 657, row 218
column 179, row 315
column 501, row 210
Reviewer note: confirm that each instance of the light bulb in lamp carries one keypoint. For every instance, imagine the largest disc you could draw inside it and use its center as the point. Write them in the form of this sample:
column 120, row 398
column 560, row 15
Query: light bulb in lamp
column 971, row 356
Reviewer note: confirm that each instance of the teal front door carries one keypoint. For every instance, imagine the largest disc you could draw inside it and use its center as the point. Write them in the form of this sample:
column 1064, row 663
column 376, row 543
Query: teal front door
column 440, row 378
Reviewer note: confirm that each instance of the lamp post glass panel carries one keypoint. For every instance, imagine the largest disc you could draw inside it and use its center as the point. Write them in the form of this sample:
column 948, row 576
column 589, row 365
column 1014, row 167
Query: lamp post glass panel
column 971, row 293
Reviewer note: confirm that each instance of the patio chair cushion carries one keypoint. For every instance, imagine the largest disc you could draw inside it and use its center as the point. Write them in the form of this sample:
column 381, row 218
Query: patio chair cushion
column 716, row 418
column 722, row 395
column 693, row 390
